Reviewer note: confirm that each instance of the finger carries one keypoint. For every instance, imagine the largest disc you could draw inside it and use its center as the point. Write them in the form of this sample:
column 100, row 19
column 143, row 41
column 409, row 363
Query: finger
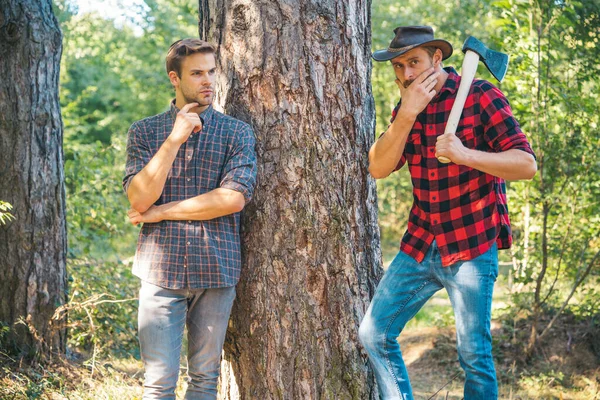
column 445, row 137
column 432, row 93
column 425, row 75
column 196, row 122
column 430, row 84
column 185, row 109
column 400, row 86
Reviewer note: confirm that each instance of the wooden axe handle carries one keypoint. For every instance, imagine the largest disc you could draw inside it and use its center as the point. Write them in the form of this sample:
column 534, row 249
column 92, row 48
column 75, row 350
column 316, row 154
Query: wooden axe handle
column 469, row 68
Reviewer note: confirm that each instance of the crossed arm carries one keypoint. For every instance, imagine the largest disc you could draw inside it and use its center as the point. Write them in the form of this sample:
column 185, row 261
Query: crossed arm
column 148, row 184
column 216, row 203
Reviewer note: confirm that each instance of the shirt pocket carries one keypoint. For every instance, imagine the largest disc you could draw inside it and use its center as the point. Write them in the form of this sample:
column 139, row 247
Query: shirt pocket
column 413, row 149
column 466, row 134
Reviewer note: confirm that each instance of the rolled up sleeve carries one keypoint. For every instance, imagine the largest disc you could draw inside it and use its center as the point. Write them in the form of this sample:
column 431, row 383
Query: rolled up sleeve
column 502, row 131
column 239, row 172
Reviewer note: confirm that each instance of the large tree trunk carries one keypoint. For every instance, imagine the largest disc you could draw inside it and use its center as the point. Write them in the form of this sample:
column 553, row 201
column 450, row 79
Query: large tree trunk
column 33, row 246
column 299, row 73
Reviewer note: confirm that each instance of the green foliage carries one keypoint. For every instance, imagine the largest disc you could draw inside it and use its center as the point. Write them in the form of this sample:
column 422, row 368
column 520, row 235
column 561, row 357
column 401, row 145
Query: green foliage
column 5, row 214
column 103, row 308
column 96, row 205
column 554, row 91
column 111, row 75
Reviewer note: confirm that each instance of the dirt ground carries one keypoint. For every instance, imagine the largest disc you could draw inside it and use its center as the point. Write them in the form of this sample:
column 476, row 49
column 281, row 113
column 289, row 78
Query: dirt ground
column 561, row 369
column 566, row 365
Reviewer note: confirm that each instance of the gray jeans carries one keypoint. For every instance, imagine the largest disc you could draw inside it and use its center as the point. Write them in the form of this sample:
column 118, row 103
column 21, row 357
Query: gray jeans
column 163, row 314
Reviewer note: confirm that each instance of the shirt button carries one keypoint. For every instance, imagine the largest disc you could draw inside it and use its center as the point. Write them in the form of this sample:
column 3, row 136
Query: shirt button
column 430, row 127
column 189, row 157
column 189, row 222
column 433, row 174
column 435, row 221
column 184, row 266
column 188, row 179
column 431, row 150
column 188, row 243
column 434, row 198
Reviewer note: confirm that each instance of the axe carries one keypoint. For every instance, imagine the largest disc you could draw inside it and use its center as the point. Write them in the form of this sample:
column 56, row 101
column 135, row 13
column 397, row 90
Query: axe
column 496, row 63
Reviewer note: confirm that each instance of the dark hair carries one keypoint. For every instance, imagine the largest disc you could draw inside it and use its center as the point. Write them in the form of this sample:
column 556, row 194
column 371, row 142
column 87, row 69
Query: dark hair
column 183, row 48
column 430, row 50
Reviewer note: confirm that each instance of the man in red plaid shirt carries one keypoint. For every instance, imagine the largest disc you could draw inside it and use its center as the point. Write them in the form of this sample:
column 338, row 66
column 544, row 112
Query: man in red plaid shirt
column 459, row 218
column 189, row 173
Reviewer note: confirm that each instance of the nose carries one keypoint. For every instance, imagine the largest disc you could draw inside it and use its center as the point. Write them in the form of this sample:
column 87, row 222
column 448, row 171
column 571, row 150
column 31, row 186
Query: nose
column 408, row 74
column 205, row 79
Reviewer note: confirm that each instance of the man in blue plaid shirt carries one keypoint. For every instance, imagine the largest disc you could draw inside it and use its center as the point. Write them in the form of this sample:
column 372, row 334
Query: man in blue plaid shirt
column 189, row 173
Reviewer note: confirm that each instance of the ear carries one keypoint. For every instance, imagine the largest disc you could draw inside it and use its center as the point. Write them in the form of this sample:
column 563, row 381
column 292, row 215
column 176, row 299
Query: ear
column 437, row 57
column 174, row 78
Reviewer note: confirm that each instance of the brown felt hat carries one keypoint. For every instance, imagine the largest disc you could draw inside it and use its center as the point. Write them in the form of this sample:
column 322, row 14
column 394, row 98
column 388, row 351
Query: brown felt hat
column 407, row 38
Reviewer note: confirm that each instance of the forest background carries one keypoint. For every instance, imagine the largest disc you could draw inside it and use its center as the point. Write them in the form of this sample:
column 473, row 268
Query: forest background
column 547, row 320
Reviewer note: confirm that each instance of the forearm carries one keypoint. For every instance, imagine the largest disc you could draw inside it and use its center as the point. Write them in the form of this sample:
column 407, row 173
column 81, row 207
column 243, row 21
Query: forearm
column 386, row 152
column 147, row 186
column 510, row 165
column 214, row 204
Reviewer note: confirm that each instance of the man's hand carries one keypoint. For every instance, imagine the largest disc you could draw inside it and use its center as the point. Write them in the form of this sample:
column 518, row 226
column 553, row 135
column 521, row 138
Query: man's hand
column 450, row 146
column 153, row 214
column 186, row 123
column 419, row 93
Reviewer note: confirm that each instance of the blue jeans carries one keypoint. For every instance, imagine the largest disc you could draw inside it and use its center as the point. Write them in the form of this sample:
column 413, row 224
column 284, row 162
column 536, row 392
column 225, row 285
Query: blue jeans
column 404, row 289
column 162, row 315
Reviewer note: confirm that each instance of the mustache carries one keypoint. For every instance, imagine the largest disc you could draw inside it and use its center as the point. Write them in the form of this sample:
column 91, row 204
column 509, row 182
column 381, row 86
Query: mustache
column 407, row 83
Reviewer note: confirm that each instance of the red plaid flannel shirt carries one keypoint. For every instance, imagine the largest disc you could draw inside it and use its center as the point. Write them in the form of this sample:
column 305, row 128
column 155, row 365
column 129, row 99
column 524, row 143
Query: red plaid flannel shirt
column 193, row 254
column 464, row 210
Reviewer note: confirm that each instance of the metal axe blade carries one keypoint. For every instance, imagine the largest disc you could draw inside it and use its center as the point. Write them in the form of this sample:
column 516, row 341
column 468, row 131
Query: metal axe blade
column 496, row 62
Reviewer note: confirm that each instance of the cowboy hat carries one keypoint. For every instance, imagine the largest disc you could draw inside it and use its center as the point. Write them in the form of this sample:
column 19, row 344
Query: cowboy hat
column 407, row 38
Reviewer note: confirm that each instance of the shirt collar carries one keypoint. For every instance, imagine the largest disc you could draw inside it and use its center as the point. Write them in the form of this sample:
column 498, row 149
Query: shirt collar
column 452, row 82
column 205, row 116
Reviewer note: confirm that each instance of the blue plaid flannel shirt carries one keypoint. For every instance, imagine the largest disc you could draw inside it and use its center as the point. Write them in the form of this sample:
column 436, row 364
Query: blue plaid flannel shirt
column 193, row 254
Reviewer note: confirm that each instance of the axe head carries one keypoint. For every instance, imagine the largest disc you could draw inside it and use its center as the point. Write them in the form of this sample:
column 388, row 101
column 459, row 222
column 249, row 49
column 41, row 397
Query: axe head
column 496, row 62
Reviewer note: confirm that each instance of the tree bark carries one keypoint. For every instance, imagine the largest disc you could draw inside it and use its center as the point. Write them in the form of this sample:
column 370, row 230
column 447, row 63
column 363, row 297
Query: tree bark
column 33, row 246
column 299, row 73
